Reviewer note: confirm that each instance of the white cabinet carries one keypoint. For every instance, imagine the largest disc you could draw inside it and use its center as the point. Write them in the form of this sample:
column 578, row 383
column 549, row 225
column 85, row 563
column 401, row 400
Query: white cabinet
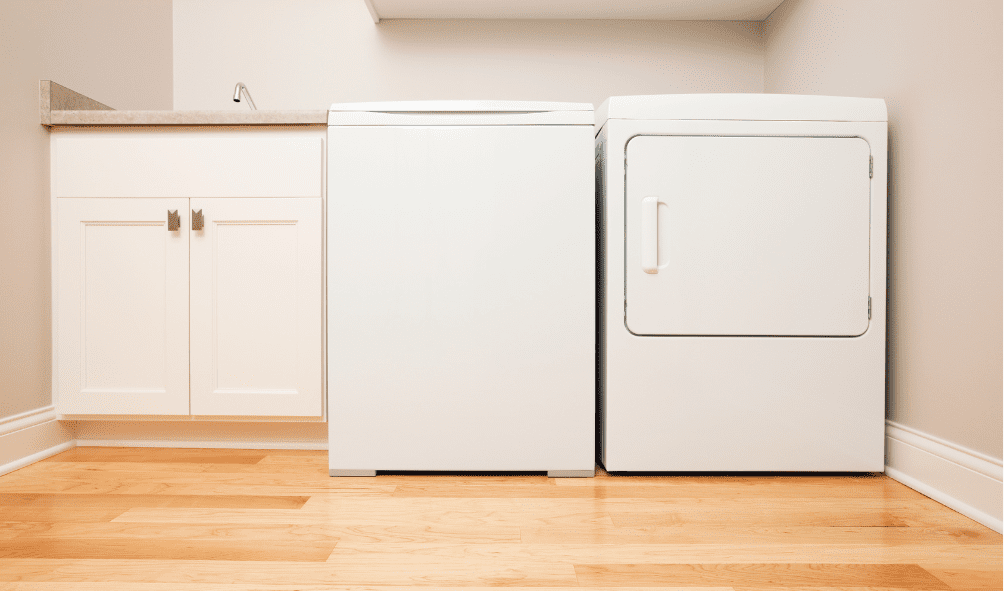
column 256, row 307
column 154, row 318
column 122, row 307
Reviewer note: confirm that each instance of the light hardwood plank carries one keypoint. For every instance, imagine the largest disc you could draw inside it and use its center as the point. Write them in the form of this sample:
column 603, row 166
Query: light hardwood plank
column 728, row 534
column 774, row 487
column 406, row 554
column 647, row 491
column 14, row 529
column 66, row 481
column 302, row 460
column 320, row 532
column 777, row 516
column 469, row 574
column 107, row 586
column 758, row 511
column 159, row 455
column 167, row 549
column 899, row 576
column 819, row 511
column 188, row 531
column 969, row 579
column 175, row 468
column 121, row 485
column 59, row 514
column 642, row 506
column 370, row 516
column 162, row 501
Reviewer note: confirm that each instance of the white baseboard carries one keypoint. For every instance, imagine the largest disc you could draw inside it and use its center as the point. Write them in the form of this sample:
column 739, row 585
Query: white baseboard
column 37, row 436
column 27, row 419
column 957, row 477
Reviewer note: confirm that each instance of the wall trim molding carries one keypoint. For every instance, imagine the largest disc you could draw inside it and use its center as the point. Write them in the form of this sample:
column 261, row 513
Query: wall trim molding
column 36, row 457
column 968, row 458
column 27, row 419
column 960, row 478
column 27, row 445
column 229, row 444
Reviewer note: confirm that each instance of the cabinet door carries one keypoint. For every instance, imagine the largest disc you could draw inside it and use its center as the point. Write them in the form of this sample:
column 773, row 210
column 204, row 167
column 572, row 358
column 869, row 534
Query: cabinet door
column 121, row 300
column 256, row 307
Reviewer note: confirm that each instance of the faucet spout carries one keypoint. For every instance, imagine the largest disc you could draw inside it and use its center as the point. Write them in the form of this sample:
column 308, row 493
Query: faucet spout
column 241, row 88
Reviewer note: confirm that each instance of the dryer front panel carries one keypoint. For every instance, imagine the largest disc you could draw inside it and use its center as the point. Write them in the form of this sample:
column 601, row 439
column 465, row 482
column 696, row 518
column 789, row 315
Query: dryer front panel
column 747, row 236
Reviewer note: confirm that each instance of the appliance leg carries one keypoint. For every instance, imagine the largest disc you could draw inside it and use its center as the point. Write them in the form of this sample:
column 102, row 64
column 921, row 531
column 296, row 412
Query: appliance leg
column 351, row 472
column 571, row 473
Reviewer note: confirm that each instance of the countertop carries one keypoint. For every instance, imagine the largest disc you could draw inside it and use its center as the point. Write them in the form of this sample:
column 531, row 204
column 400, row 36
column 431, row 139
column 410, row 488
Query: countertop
column 59, row 105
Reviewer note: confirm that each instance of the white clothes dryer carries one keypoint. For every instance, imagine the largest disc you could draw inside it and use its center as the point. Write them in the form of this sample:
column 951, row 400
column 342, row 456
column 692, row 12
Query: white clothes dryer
column 743, row 282
column 461, row 264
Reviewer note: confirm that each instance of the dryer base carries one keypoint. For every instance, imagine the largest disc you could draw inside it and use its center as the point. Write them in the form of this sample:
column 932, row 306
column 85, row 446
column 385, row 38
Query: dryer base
column 351, row 473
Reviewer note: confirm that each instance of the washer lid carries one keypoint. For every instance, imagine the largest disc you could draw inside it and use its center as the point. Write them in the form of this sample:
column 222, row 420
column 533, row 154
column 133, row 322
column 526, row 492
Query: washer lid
column 461, row 112
column 742, row 107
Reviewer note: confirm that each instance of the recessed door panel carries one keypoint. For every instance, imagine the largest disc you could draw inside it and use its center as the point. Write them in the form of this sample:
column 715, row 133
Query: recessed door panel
column 256, row 307
column 747, row 236
column 122, row 307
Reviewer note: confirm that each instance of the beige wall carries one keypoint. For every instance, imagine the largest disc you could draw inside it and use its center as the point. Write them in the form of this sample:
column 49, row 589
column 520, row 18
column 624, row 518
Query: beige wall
column 115, row 51
column 308, row 54
column 938, row 66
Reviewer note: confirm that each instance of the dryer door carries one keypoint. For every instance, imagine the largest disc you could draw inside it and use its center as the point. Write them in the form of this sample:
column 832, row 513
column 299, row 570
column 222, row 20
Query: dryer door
column 747, row 236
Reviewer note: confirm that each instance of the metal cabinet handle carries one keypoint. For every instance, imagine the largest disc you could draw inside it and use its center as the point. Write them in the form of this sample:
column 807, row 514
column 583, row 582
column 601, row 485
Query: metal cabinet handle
column 173, row 220
column 197, row 220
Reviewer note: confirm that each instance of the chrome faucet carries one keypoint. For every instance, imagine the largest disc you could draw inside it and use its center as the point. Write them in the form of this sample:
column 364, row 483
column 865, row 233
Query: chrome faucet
column 237, row 95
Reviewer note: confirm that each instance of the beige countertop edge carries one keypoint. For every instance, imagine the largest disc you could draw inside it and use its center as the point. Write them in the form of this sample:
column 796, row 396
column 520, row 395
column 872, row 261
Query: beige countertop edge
column 89, row 117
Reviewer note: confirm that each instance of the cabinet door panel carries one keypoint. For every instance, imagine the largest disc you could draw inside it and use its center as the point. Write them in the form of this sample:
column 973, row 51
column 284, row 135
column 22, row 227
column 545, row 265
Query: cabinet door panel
column 122, row 307
column 256, row 308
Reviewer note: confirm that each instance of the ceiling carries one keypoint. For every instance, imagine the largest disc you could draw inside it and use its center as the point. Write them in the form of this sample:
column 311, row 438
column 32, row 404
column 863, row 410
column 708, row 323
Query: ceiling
column 729, row 10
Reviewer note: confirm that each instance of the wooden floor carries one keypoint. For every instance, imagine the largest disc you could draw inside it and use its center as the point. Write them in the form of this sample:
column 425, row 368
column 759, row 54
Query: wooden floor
column 167, row 519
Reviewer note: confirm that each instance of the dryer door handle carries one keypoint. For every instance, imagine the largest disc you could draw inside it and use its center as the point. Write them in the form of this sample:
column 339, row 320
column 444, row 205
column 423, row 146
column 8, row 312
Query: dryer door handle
column 650, row 234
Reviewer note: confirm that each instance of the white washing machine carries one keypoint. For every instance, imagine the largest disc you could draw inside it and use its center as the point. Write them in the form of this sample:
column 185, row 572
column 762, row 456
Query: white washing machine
column 743, row 282
column 461, row 261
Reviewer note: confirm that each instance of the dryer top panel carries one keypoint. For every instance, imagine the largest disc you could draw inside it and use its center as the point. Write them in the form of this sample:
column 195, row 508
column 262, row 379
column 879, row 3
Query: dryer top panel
column 741, row 107
column 461, row 113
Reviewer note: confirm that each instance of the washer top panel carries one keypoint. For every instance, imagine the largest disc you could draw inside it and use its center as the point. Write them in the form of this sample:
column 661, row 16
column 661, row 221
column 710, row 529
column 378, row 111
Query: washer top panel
column 461, row 113
column 461, row 107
